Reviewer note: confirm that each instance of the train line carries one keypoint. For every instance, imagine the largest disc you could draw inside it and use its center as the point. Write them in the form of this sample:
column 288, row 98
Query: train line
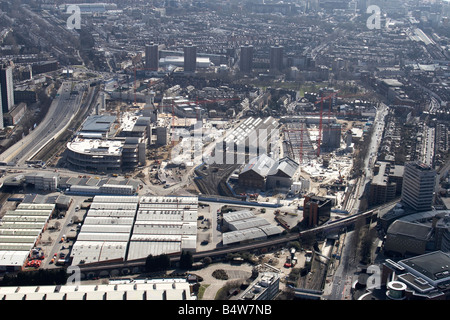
column 221, row 251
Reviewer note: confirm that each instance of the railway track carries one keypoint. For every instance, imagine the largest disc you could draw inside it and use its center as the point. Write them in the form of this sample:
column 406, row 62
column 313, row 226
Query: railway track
column 221, row 251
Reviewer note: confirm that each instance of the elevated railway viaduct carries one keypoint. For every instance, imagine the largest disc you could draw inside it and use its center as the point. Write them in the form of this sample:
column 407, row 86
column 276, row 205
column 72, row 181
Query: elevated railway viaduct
column 121, row 268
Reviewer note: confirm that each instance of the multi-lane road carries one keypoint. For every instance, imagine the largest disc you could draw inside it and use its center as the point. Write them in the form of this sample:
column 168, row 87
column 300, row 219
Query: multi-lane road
column 353, row 203
column 63, row 108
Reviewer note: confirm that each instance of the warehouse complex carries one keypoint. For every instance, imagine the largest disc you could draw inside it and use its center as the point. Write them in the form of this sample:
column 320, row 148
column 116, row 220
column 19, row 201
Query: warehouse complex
column 20, row 231
column 245, row 226
column 106, row 230
column 129, row 228
column 121, row 228
column 164, row 225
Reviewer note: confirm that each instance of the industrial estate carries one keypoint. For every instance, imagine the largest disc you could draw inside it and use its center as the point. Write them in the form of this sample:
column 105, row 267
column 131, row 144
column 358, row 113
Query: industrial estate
column 235, row 150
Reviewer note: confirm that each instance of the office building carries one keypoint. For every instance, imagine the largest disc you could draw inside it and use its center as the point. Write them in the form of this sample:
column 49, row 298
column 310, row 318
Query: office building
column 276, row 58
column 404, row 237
column 7, row 87
column 190, row 58
column 419, row 182
column 246, row 59
column 423, row 277
column 152, row 57
column 102, row 145
column 386, row 183
column 265, row 287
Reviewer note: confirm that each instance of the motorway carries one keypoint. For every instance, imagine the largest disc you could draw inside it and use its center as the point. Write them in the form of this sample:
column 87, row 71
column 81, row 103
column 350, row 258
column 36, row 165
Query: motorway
column 63, row 108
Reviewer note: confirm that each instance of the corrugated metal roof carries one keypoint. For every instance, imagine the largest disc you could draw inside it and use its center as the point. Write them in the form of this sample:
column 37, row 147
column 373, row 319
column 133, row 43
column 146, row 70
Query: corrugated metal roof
column 94, row 251
column 242, row 235
column 260, row 165
column 248, row 223
column 98, row 228
column 103, row 236
column 285, row 165
column 141, row 249
column 93, row 220
column 237, row 215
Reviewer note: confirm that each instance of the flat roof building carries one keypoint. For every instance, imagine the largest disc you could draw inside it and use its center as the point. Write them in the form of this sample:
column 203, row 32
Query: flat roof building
column 243, row 226
column 151, row 289
column 265, row 287
column 164, row 225
column 419, row 182
column 20, row 231
column 101, row 237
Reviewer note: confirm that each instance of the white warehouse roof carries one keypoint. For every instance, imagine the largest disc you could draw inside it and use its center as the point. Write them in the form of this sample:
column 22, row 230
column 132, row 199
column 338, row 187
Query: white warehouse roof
column 157, row 289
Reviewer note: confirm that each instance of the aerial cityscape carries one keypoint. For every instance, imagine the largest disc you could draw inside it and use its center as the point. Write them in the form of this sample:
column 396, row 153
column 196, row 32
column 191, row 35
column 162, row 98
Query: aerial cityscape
column 198, row 150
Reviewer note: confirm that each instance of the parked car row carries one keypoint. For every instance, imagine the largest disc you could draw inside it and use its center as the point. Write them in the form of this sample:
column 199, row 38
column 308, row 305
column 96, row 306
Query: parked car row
column 34, row 263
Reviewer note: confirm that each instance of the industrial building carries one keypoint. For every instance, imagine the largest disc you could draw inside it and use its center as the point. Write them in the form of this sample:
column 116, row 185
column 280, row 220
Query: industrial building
column 106, row 230
column 130, row 228
column 254, row 174
column 265, row 173
column 253, row 135
column 281, row 175
column 151, row 289
column 419, row 181
column 20, row 232
column 164, row 225
column 244, row 226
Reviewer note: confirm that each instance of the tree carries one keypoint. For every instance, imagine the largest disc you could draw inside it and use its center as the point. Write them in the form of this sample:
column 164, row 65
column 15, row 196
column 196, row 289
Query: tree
column 186, row 260
column 157, row 263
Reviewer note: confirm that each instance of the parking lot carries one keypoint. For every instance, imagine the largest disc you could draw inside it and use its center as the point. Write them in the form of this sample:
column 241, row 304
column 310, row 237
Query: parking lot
column 57, row 240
